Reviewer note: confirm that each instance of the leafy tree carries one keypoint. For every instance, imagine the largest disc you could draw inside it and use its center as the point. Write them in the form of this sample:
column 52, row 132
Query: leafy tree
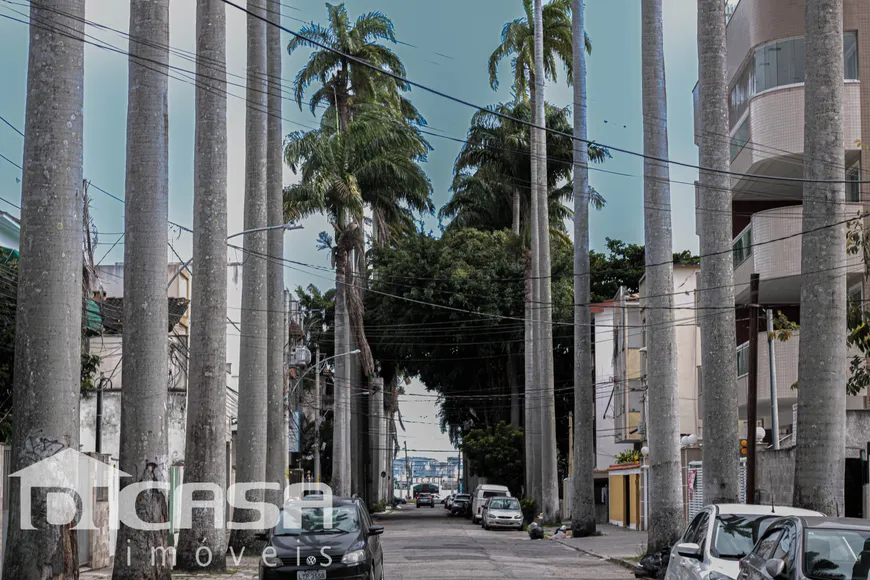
column 496, row 453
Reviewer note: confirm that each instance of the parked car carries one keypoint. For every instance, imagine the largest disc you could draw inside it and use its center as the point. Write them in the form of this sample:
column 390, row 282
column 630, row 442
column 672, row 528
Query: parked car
column 312, row 548
column 503, row 512
column 483, row 511
column 483, row 493
column 461, row 505
column 719, row 536
column 800, row 548
column 425, row 499
column 448, row 501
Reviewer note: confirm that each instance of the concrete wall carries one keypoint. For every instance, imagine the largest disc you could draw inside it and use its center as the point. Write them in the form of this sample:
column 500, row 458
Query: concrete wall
column 775, row 469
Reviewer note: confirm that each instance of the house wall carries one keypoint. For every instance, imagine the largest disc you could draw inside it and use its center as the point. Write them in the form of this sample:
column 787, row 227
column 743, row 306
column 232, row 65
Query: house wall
column 618, row 490
column 10, row 233
column 688, row 345
column 110, row 368
column 606, row 447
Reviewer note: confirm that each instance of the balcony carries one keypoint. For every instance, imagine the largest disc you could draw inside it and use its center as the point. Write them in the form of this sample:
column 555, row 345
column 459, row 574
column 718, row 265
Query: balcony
column 771, row 247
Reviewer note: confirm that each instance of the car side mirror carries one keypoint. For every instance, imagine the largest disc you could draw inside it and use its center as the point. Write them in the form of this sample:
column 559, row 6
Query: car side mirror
column 690, row 550
column 376, row 530
column 775, row 567
column 263, row 536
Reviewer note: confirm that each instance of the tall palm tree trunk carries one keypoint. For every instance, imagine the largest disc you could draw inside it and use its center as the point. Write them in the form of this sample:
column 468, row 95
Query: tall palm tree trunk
column 821, row 440
column 529, row 414
column 205, row 450
column 583, row 490
column 341, row 425
column 253, row 419
column 144, row 446
column 666, row 502
column 48, row 322
column 719, row 368
column 276, row 440
column 535, row 388
column 549, row 467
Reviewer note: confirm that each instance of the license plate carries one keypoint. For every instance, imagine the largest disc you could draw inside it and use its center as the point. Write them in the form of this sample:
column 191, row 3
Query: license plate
column 311, row 575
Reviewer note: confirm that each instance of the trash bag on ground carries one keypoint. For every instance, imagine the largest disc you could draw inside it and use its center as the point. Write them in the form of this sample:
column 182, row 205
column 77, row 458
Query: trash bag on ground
column 653, row 565
column 560, row 534
column 536, row 532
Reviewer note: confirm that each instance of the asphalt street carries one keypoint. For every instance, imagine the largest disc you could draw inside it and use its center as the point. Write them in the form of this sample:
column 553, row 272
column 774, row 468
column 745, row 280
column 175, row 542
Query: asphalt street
column 424, row 543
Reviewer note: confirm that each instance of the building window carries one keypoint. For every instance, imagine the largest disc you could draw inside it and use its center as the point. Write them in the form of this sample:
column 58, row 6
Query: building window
column 779, row 64
column 742, row 247
column 853, row 183
column 740, row 139
column 743, row 360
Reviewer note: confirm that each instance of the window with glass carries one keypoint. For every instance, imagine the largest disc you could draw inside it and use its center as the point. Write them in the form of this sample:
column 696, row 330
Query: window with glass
column 742, row 247
column 830, row 553
column 853, row 183
column 743, row 360
column 734, row 534
column 779, row 64
column 318, row 520
column 740, row 139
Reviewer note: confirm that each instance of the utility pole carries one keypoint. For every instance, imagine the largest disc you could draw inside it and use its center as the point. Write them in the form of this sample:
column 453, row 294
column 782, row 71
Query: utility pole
column 407, row 471
column 317, row 405
column 774, row 403
column 752, row 397
column 570, row 443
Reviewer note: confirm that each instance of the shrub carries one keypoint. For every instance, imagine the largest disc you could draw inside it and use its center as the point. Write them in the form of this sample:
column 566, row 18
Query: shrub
column 530, row 510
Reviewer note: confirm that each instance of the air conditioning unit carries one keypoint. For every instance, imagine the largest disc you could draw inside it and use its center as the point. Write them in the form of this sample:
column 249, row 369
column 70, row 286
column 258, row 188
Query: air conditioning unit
column 300, row 356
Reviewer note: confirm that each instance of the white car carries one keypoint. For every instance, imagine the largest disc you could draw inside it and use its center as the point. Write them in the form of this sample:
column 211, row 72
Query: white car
column 503, row 512
column 483, row 493
column 719, row 537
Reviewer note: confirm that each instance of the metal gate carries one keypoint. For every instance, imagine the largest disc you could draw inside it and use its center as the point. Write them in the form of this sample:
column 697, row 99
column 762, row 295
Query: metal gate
column 694, row 492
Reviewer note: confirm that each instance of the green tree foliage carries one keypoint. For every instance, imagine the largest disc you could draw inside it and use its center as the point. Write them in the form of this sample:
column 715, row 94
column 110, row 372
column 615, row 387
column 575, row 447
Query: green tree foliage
column 8, row 291
column 496, row 453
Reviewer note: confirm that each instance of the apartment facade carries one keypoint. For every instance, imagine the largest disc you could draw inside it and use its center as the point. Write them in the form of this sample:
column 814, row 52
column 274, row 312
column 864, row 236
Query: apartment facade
column 766, row 72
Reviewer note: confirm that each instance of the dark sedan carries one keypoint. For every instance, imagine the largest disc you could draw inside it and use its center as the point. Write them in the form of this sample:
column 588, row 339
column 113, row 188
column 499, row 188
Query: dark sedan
column 803, row 548
column 425, row 499
column 306, row 545
column 461, row 505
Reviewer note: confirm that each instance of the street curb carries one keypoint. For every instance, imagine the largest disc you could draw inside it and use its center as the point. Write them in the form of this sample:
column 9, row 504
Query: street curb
column 618, row 561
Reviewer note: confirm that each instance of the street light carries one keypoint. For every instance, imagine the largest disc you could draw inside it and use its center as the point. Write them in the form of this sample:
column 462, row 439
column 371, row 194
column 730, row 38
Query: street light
column 310, row 368
column 291, row 225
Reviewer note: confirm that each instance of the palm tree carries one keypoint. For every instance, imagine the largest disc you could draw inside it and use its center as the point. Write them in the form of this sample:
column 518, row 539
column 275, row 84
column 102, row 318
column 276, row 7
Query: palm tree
column 344, row 82
column 666, row 504
column 537, row 41
column 205, row 449
column 820, row 455
column 144, row 445
column 253, row 359
column 48, row 355
column 334, row 167
column 549, row 466
column 719, row 368
column 276, row 444
column 583, row 490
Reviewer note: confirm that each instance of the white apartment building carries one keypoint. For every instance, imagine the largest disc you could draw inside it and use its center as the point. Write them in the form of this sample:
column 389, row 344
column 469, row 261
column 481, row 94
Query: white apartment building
column 766, row 54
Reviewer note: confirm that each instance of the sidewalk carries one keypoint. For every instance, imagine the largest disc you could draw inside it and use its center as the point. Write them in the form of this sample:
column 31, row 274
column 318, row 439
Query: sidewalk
column 246, row 570
column 618, row 545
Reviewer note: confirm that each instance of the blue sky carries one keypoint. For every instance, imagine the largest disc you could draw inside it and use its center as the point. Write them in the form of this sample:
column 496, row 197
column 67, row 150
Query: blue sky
column 465, row 32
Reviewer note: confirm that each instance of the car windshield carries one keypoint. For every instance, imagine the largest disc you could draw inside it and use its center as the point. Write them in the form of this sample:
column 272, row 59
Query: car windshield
column 506, row 503
column 345, row 518
column 735, row 534
column 463, row 496
column 833, row 554
column 487, row 494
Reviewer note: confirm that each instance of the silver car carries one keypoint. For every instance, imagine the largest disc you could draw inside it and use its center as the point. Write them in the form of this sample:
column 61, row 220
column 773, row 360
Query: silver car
column 719, row 537
column 503, row 512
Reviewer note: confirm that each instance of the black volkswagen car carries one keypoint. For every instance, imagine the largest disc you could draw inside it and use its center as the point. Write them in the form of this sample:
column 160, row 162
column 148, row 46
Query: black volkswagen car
column 305, row 545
